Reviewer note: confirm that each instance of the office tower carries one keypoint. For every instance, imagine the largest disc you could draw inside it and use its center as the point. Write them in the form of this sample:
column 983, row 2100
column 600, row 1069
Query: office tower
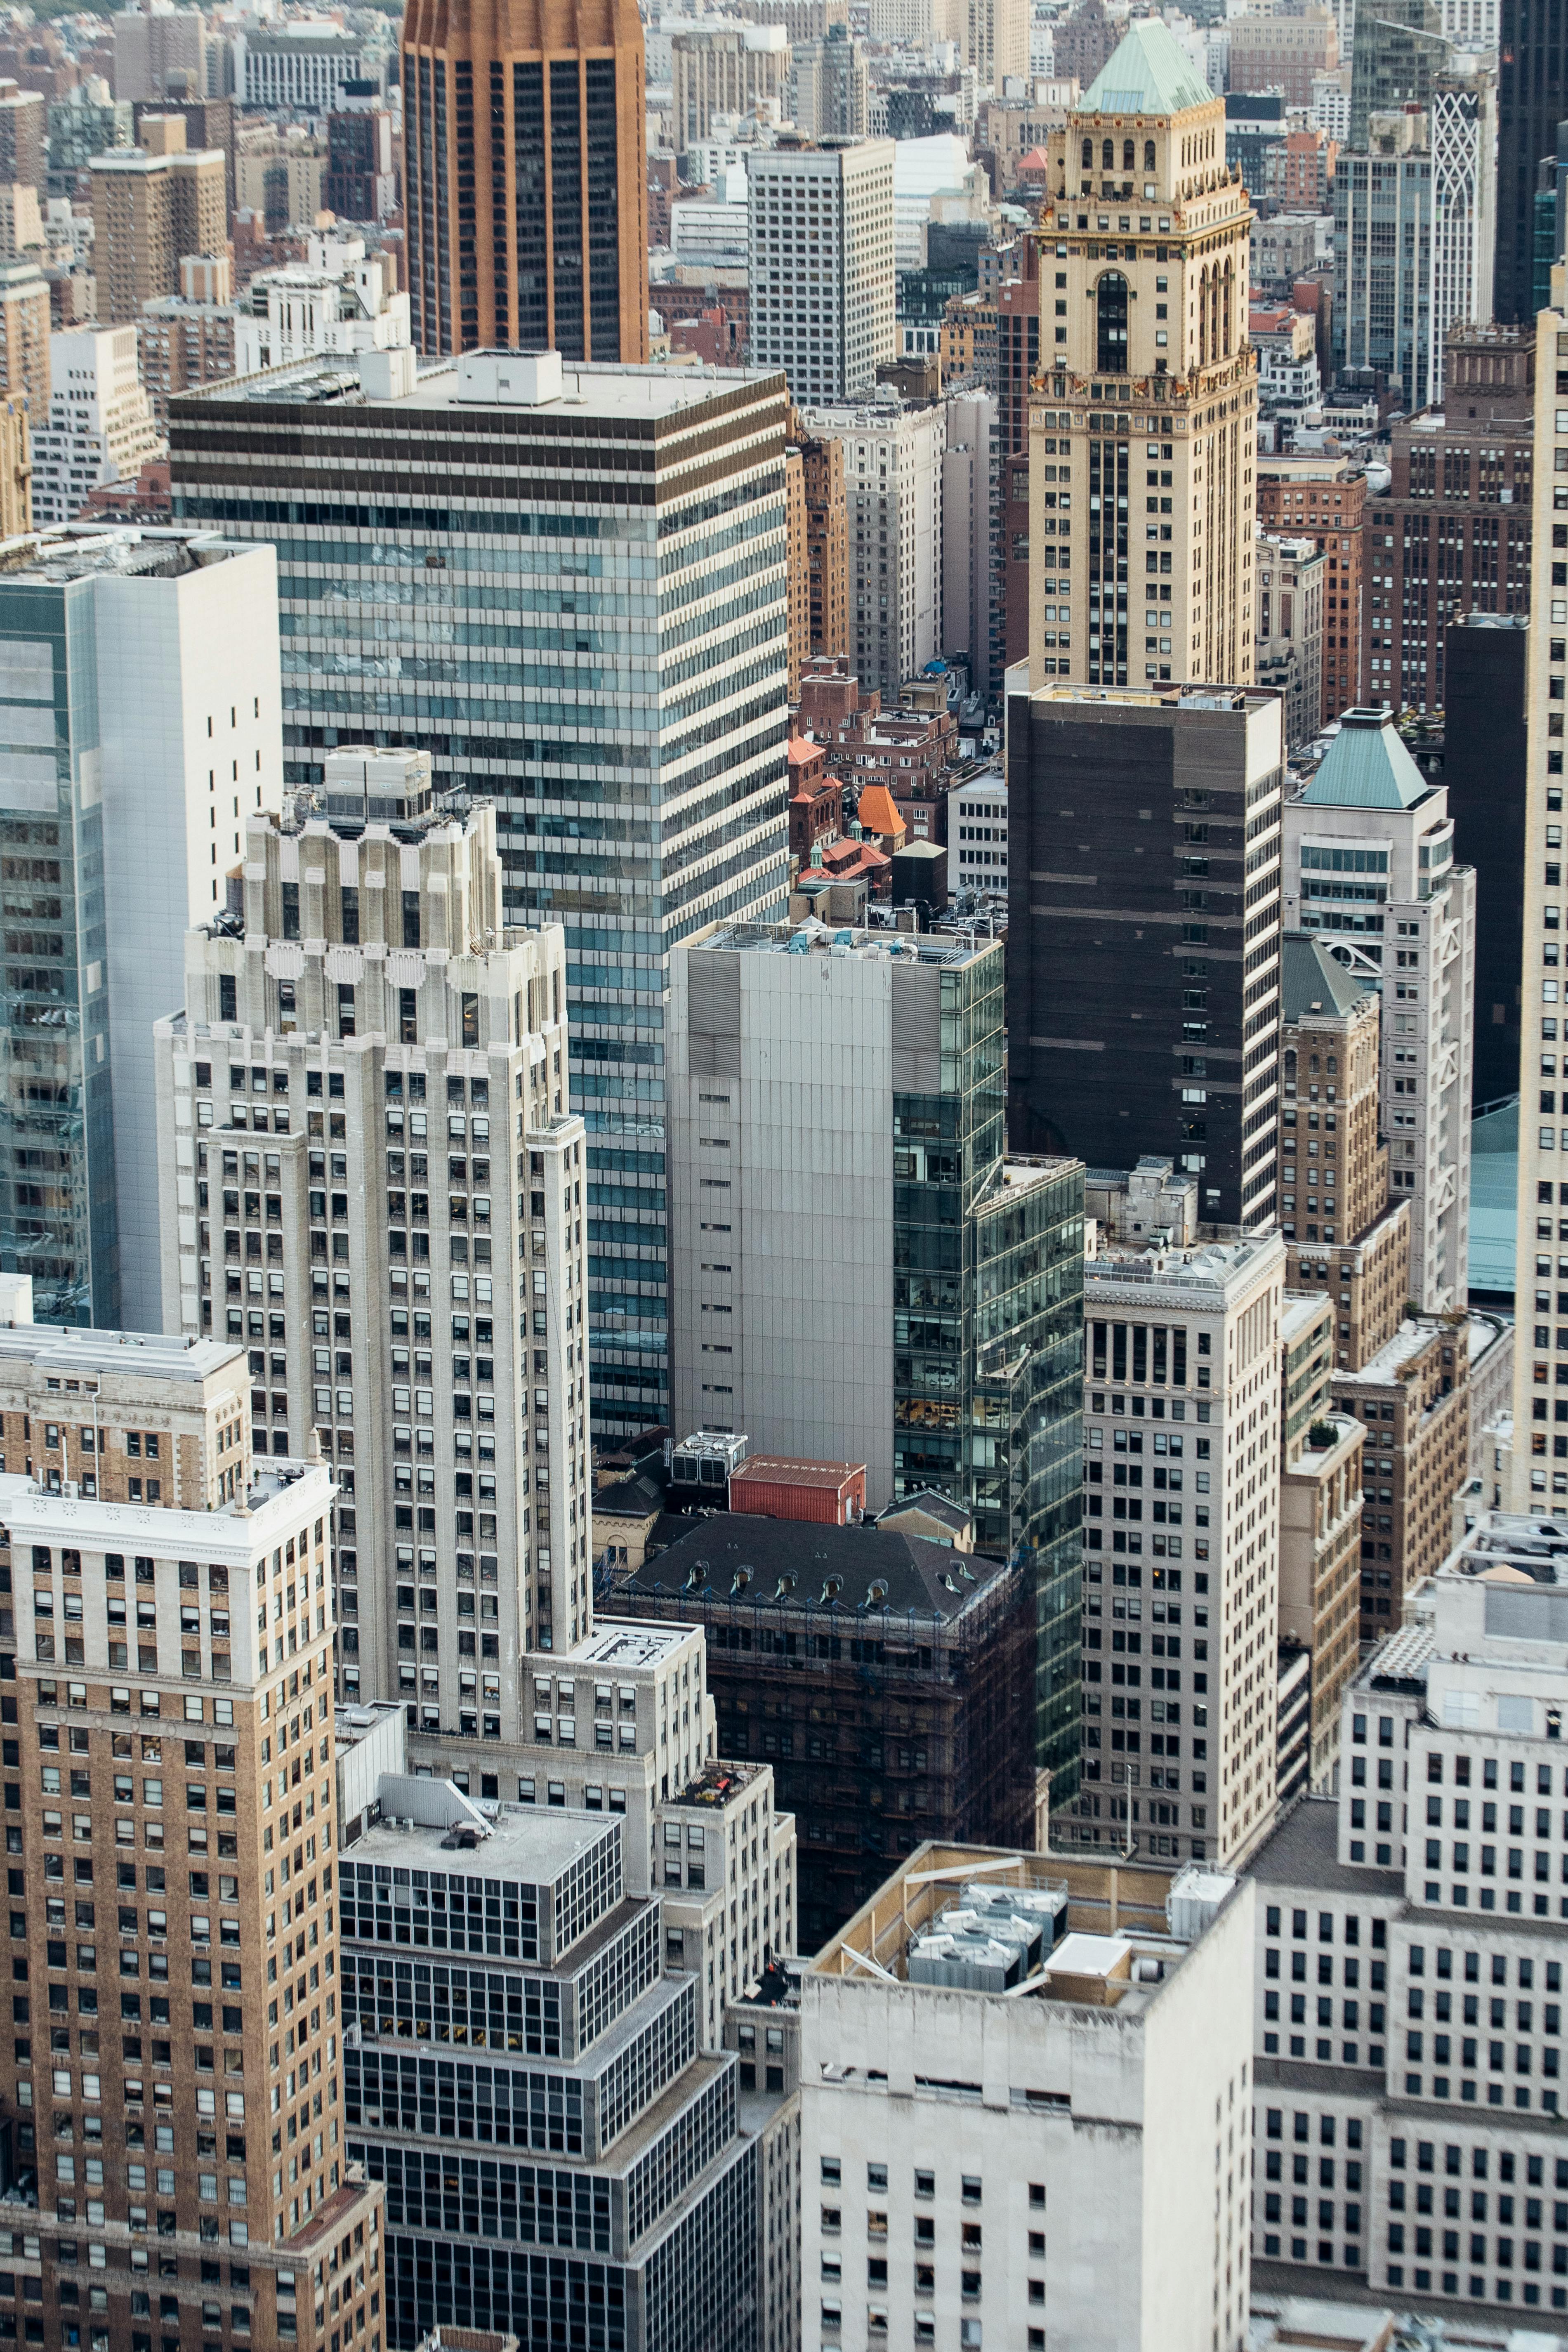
column 548, row 247
column 826, row 538
column 1419, row 1382
column 1185, row 408
column 1320, row 1543
column 1485, row 768
column 648, row 2146
column 821, row 230
column 373, row 979
column 977, row 834
column 1290, row 577
column 1530, row 107
column 720, row 67
column 1016, row 2217
column 1017, row 347
column 745, row 1105
column 15, row 471
column 280, row 176
column 1539, row 1232
column 1320, row 499
column 1399, row 54
column 361, row 182
column 1335, row 1212
column 83, row 122
column 25, row 332
column 150, row 205
column 1414, row 235
column 1369, row 867
column 797, row 565
column 170, row 2042
column 336, row 300
column 1270, row 51
column 972, row 620
column 1408, row 1969
column 586, row 724
column 1185, row 1335
column 143, row 669
column 23, row 118
column 98, row 426
column 1142, row 984
column 1451, row 535
column 893, row 503
column 829, row 89
column 299, row 68
column 160, row 53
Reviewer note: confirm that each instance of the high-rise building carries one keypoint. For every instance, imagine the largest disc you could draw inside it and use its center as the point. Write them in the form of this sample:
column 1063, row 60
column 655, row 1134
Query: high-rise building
column 1143, row 981
column 1158, row 331
column 1541, row 1283
column 1060, row 1954
column 165, row 2099
column 789, row 1069
column 1399, row 53
column 1416, row 1391
column 829, row 89
column 25, row 332
column 1334, row 1207
column 893, row 503
column 15, row 470
column 1451, row 534
column 662, row 746
column 821, row 230
column 723, row 68
column 1414, row 233
column 1321, row 499
column 526, row 198
column 1485, row 767
column 150, row 205
column 972, row 618
column 1369, row 869
column 143, row 722
column 1181, row 1422
column 295, row 69
column 161, row 53
column 1319, row 1535
column 654, row 2147
column 373, row 994
column 826, row 538
column 361, row 182
column 1270, row 50
column 98, row 426
column 188, row 338
column 1407, row 2050
column 1290, row 579
column 24, row 116
column 797, row 565
column 337, row 298
column 1531, row 66
column 991, row 38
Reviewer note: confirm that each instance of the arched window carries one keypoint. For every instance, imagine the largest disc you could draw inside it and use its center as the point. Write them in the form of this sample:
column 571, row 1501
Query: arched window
column 1148, row 154
column 1088, row 154
column 1107, row 155
column 1112, row 320
column 1128, row 151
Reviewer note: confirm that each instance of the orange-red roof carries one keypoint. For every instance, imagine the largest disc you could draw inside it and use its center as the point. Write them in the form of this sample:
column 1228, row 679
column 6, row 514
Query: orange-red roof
column 877, row 812
column 1036, row 160
column 803, row 751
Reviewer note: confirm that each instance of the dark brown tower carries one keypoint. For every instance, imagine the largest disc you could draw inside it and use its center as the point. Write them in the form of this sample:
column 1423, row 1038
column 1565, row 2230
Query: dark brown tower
column 525, row 176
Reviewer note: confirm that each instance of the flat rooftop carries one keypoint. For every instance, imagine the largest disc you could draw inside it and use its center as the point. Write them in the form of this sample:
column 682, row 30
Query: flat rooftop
column 1304, row 1852
column 74, row 550
column 603, row 392
column 624, row 1645
column 813, row 938
column 533, row 1847
column 72, row 1352
column 1206, row 1265
column 783, row 1470
column 1391, row 1359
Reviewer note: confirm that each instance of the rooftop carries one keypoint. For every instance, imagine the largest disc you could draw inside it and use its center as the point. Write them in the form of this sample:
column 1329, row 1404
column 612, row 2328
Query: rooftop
column 76, row 1353
column 1148, row 73
column 1311, row 981
column 534, row 1845
column 783, row 1470
column 811, row 938
column 606, row 393
column 625, row 1645
column 1214, row 1266
column 78, row 550
column 1366, row 766
column 1392, row 1358
column 1303, row 1850
column 798, row 1564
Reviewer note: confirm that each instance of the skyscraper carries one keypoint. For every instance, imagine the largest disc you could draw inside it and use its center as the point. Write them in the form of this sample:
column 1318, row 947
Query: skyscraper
column 1144, row 960
column 1148, row 386
column 175, row 2068
column 892, row 486
column 592, row 632
column 821, row 228
column 525, row 176
column 1531, row 82
column 345, row 1192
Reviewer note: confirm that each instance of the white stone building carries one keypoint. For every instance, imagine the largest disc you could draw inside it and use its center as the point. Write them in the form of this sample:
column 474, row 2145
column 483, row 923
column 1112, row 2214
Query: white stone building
column 1181, row 1563
column 298, row 67
column 822, row 266
column 368, row 1170
column 977, row 835
column 100, row 427
column 893, row 489
column 335, row 301
column 1369, row 867
column 1408, row 2024
column 1028, row 2149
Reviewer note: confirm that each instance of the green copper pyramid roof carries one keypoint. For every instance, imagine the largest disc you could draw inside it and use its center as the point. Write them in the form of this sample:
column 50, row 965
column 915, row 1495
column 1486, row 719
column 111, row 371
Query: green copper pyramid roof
column 1150, row 73
column 1366, row 766
column 1311, row 979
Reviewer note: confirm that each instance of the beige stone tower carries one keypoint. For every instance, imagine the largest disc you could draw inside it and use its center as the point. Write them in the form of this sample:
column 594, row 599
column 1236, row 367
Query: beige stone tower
column 1142, row 423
